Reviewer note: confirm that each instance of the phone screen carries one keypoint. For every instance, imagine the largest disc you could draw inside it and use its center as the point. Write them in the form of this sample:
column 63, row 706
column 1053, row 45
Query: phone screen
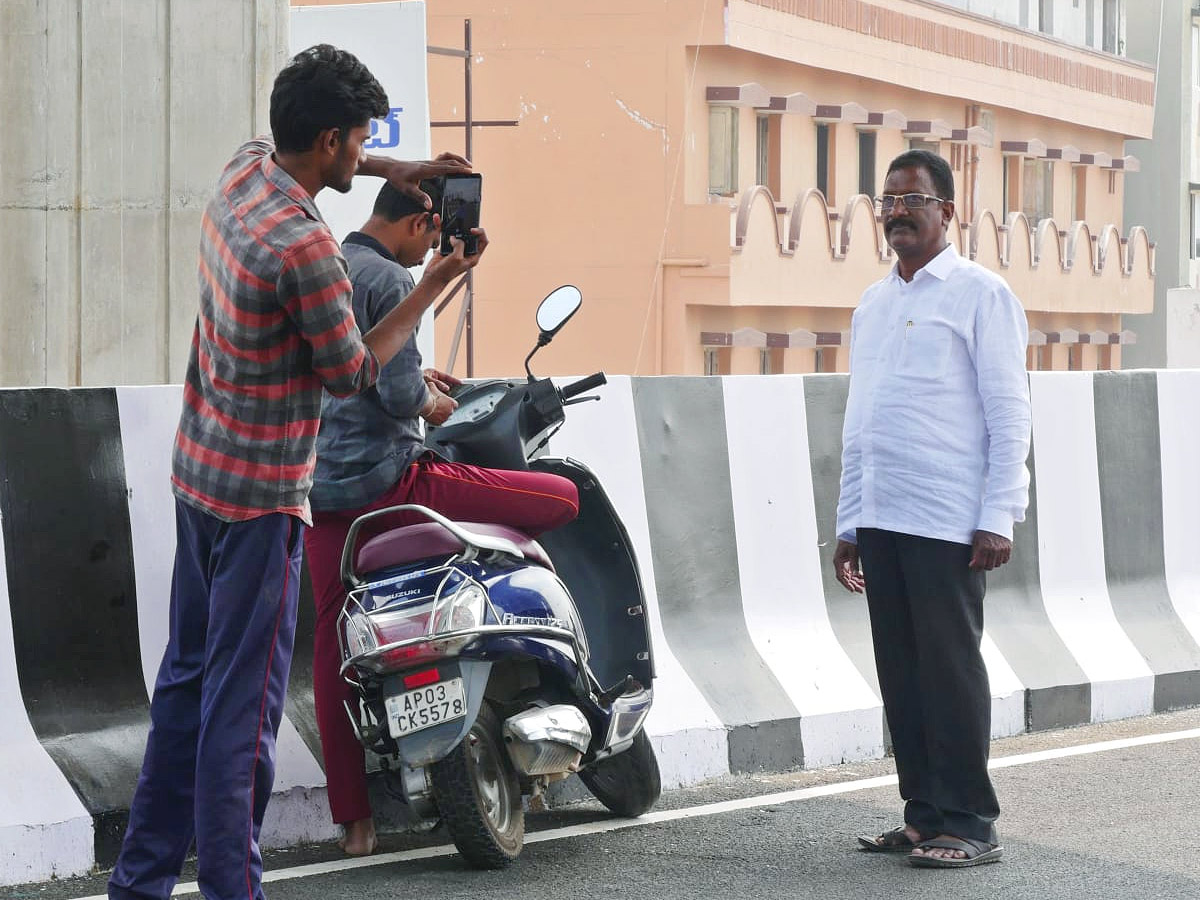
column 460, row 211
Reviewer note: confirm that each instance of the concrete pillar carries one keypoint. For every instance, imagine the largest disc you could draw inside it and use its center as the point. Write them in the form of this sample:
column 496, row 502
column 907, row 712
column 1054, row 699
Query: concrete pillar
column 118, row 119
column 1158, row 196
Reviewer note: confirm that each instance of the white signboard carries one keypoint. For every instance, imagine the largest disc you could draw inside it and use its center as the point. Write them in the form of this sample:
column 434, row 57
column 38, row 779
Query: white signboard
column 390, row 40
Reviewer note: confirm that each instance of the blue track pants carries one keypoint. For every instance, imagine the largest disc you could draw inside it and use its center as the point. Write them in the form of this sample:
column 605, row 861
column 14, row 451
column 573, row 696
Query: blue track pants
column 210, row 757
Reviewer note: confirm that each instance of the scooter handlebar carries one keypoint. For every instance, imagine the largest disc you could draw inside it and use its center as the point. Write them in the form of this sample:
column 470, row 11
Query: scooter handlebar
column 583, row 385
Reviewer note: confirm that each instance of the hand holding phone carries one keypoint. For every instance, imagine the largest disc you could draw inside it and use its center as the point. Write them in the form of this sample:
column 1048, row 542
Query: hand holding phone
column 440, row 269
column 461, row 197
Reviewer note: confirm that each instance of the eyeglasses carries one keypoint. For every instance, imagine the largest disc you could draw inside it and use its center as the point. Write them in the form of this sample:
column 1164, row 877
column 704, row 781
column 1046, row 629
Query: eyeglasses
column 910, row 201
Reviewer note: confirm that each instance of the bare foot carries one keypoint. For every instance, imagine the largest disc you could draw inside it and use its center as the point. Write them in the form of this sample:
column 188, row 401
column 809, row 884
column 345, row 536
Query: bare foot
column 360, row 839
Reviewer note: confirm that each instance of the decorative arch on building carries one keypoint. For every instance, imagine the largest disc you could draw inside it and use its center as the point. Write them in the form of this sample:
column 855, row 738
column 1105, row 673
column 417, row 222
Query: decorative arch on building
column 1139, row 238
column 747, row 204
column 985, row 223
column 1048, row 232
column 1029, row 252
column 800, row 214
column 1080, row 232
column 958, row 233
column 1104, row 244
column 857, row 207
column 1020, row 240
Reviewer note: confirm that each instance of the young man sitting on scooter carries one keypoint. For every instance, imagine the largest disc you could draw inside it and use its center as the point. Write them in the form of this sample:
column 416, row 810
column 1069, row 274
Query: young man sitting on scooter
column 370, row 455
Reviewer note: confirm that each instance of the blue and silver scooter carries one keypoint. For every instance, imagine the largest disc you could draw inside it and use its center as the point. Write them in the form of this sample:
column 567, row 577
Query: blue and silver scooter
column 489, row 665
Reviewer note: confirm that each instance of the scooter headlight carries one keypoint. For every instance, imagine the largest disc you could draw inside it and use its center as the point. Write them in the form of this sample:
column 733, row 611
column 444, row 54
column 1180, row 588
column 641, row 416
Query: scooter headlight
column 462, row 610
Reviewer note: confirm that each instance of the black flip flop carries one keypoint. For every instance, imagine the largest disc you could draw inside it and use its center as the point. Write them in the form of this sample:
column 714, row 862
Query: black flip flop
column 978, row 853
column 894, row 841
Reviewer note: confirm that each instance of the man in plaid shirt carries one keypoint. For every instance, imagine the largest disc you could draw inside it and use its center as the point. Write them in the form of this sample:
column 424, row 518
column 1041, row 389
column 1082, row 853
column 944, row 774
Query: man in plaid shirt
column 275, row 327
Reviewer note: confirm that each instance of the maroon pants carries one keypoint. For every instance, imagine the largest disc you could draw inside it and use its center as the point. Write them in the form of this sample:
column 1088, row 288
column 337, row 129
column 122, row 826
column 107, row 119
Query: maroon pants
column 530, row 501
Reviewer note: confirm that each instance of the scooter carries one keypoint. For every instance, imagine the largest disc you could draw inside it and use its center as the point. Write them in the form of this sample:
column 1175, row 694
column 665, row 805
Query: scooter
column 488, row 665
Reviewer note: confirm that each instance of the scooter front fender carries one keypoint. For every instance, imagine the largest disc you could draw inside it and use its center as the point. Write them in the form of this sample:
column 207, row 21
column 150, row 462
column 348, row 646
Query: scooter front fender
column 425, row 747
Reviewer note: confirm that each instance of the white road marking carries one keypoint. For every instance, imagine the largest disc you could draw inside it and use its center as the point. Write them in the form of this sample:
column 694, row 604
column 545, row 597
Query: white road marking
column 692, row 812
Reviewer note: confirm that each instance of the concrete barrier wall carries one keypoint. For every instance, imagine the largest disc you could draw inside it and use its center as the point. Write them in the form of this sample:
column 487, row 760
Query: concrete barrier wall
column 727, row 487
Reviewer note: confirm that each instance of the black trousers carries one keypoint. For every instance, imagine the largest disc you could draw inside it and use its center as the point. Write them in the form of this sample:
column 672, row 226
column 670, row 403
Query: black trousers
column 926, row 607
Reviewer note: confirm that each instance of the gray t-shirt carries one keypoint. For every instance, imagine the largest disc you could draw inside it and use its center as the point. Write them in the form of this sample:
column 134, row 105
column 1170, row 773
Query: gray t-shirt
column 368, row 440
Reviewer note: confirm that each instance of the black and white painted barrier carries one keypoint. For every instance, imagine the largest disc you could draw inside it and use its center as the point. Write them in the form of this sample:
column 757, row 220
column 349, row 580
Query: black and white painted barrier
column 727, row 486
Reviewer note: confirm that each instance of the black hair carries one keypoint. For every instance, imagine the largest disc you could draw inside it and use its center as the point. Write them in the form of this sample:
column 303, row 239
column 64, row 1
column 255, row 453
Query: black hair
column 936, row 166
column 392, row 205
column 322, row 88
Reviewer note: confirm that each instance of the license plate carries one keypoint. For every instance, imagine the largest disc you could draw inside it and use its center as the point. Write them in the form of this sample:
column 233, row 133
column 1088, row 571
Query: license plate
column 425, row 707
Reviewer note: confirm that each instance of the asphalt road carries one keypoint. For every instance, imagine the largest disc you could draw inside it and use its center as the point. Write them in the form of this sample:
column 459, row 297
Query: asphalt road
column 1082, row 819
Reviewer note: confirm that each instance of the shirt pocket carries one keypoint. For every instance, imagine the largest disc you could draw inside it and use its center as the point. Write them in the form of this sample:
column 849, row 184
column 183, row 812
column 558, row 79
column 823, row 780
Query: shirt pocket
column 925, row 350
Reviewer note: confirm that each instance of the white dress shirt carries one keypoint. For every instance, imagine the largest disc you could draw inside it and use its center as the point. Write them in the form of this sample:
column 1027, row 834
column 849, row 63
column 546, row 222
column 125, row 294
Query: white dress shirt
column 937, row 421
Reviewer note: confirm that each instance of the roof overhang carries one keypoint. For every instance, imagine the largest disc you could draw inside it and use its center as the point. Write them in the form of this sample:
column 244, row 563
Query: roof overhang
column 798, row 102
column 929, row 129
column 749, row 94
column 976, row 134
column 1102, row 159
column 1032, row 148
column 1125, row 164
column 854, row 113
column 1066, row 153
column 888, row 118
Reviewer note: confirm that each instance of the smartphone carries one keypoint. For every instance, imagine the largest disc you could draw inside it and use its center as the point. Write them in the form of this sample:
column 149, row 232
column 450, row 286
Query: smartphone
column 460, row 211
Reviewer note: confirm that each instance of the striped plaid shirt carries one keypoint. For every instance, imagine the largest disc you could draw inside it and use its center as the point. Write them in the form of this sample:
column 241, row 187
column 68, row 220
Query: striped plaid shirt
column 275, row 326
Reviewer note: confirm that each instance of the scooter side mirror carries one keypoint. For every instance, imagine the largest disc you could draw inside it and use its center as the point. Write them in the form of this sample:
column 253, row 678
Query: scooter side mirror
column 553, row 312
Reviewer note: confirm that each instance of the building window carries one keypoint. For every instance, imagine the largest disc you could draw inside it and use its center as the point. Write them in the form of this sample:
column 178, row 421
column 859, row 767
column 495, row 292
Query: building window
column 716, row 360
column 722, row 150
column 762, row 150
column 1046, row 16
column 1011, row 184
column 1037, row 189
column 766, row 160
column 770, row 361
column 1075, row 357
column 1196, row 55
column 824, row 156
column 1111, row 26
column 825, row 359
column 1194, row 244
column 1079, row 193
column 866, row 163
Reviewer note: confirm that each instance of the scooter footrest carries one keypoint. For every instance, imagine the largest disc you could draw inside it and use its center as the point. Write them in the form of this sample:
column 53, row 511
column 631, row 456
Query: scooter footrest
column 628, row 685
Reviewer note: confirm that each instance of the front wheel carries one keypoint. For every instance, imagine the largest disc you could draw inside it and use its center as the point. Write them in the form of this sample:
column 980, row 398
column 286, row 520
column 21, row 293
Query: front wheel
column 628, row 783
column 479, row 797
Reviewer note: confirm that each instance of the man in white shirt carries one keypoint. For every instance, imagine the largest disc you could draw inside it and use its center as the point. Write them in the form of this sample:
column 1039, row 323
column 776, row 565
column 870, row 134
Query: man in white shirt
column 933, row 477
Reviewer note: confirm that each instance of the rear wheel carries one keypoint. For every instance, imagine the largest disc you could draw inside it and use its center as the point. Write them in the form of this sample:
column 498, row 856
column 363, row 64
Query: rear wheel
column 628, row 783
column 479, row 797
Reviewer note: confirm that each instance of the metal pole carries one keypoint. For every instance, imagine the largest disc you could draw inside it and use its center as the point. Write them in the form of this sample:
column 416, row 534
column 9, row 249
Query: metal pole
column 469, row 299
column 462, row 282
column 456, row 341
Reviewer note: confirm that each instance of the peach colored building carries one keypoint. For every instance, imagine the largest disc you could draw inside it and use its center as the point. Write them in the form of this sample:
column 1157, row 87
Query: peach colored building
column 701, row 170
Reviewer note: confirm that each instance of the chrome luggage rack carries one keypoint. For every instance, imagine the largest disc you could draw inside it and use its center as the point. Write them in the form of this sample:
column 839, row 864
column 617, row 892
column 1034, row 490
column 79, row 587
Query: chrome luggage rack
column 448, row 643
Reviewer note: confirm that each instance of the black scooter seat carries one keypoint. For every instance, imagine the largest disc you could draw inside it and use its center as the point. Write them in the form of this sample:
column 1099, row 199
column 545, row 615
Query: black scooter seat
column 413, row 542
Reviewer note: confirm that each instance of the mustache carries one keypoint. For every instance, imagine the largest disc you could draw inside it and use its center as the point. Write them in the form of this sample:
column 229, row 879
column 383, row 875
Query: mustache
column 898, row 223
